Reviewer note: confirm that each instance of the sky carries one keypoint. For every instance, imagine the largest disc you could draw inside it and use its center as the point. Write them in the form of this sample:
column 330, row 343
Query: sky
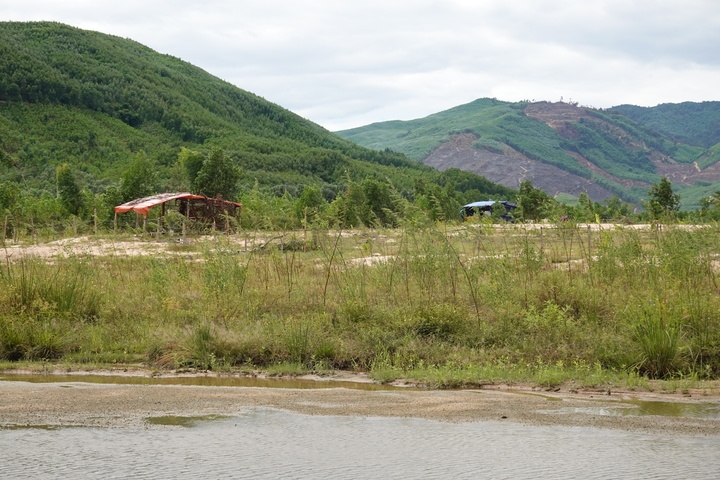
column 349, row 63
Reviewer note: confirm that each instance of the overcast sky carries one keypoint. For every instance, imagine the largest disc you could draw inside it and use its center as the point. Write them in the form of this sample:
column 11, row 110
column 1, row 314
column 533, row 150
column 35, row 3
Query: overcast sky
column 347, row 63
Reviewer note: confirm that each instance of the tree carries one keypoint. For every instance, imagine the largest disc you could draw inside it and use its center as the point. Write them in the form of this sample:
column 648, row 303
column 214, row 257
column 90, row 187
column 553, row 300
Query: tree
column 663, row 202
column 381, row 202
column 68, row 189
column 710, row 207
column 309, row 204
column 9, row 195
column 534, row 203
column 438, row 203
column 349, row 209
column 140, row 179
column 616, row 209
column 190, row 162
column 586, row 210
column 218, row 176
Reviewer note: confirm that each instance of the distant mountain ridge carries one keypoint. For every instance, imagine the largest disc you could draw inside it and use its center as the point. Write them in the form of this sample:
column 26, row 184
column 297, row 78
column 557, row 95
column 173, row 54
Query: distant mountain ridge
column 566, row 149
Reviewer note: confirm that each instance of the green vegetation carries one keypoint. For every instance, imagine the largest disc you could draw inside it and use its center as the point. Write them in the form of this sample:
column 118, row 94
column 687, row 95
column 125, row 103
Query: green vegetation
column 534, row 204
column 624, row 146
column 688, row 122
column 498, row 125
column 663, row 202
column 458, row 306
column 343, row 257
column 603, row 149
column 105, row 120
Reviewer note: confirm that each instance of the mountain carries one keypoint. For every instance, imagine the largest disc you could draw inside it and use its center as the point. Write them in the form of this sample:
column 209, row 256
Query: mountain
column 563, row 148
column 688, row 122
column 96, row 102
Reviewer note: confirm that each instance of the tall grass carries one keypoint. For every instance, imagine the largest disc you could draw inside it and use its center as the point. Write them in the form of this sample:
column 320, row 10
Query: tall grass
column 659, row 338
column 34, row 286
column 396, row 301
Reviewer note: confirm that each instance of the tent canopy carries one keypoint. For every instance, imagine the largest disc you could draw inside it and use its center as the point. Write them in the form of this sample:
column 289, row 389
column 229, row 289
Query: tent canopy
column 489, row 204
column 487, row 207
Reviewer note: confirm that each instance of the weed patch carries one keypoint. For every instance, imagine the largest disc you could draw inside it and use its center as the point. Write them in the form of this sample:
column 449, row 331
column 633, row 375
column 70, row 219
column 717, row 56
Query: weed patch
column 456, row 306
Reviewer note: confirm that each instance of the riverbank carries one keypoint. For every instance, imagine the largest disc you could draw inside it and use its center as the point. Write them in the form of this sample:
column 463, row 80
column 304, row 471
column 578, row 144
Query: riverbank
column 81, row 403
column 455, row 307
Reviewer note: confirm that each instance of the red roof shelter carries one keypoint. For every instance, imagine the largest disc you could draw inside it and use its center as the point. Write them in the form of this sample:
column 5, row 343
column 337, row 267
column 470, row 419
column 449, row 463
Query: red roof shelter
column 192, row 206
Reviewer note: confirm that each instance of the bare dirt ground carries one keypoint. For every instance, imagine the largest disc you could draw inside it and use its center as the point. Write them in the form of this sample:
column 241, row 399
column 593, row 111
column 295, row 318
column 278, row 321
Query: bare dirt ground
column 90, row 246
column 70, row 403
column 98, row 247
column 141, row 245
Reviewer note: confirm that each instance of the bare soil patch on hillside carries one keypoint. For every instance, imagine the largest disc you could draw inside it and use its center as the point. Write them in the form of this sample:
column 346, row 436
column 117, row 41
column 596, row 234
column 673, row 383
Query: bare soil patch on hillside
column 509, row 168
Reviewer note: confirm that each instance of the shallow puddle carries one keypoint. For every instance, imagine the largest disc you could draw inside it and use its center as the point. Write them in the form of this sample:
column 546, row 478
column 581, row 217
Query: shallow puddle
column 633, row 407
column 180, row 421
column 672, row 409
column 209, row 381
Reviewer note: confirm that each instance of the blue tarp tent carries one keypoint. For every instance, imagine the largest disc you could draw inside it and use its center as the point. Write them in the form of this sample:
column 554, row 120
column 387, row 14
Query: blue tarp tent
column 487, row 206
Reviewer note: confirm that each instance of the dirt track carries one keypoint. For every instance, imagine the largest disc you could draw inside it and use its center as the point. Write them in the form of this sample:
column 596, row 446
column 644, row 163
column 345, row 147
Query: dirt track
column 112, row 405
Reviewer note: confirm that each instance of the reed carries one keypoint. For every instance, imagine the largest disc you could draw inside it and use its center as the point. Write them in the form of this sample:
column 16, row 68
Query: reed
column 659, row 333
column 467, row 302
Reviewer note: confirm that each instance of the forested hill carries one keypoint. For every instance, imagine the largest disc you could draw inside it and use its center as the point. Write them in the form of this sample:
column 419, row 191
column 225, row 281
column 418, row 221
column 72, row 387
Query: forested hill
column 692, row 123
column 566, row 149
column 96, row 102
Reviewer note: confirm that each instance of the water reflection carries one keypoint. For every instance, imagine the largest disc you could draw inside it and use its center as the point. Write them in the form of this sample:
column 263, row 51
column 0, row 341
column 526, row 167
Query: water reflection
column 182, row 421
column 636, row 407
column 673, row 409
column 205, row 381
column 265, row 443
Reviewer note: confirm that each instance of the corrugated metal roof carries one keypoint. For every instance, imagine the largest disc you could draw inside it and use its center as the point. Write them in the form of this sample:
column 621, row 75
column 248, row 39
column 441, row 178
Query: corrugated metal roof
column 142, row 206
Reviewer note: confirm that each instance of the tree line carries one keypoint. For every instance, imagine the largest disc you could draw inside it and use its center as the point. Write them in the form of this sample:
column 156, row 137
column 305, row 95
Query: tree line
column 368, row 202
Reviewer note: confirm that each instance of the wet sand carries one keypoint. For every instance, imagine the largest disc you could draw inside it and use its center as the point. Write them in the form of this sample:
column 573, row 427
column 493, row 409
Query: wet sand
column 71, row 403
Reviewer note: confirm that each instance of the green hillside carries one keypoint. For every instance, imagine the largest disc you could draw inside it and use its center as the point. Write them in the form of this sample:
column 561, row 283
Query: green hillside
column 688, row 122
column 499, row 124
column 624, row 153
column 417, row 138
column 98, row 103
column 82, row 97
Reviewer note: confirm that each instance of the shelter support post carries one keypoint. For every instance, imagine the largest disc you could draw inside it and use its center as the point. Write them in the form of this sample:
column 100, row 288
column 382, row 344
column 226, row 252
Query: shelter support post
column 161, row 220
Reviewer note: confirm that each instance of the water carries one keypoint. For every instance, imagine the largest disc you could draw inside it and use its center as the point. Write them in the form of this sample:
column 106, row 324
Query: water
column 639, row 408
column 205, row 381
column 265, row 443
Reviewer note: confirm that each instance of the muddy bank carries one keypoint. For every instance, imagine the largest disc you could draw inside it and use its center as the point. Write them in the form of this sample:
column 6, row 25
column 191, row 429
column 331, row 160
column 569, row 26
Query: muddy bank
column 74, row 403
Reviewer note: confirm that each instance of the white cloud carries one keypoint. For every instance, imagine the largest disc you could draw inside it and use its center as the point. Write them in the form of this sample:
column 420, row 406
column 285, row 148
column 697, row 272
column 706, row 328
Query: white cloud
column 345, row 64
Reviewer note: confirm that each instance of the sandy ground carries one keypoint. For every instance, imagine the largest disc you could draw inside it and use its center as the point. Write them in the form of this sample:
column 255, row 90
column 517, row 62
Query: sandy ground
column 167, row 246
column 71, row 403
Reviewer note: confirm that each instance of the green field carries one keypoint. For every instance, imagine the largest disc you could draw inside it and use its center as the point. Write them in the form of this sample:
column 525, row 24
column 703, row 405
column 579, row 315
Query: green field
column 455, row 306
